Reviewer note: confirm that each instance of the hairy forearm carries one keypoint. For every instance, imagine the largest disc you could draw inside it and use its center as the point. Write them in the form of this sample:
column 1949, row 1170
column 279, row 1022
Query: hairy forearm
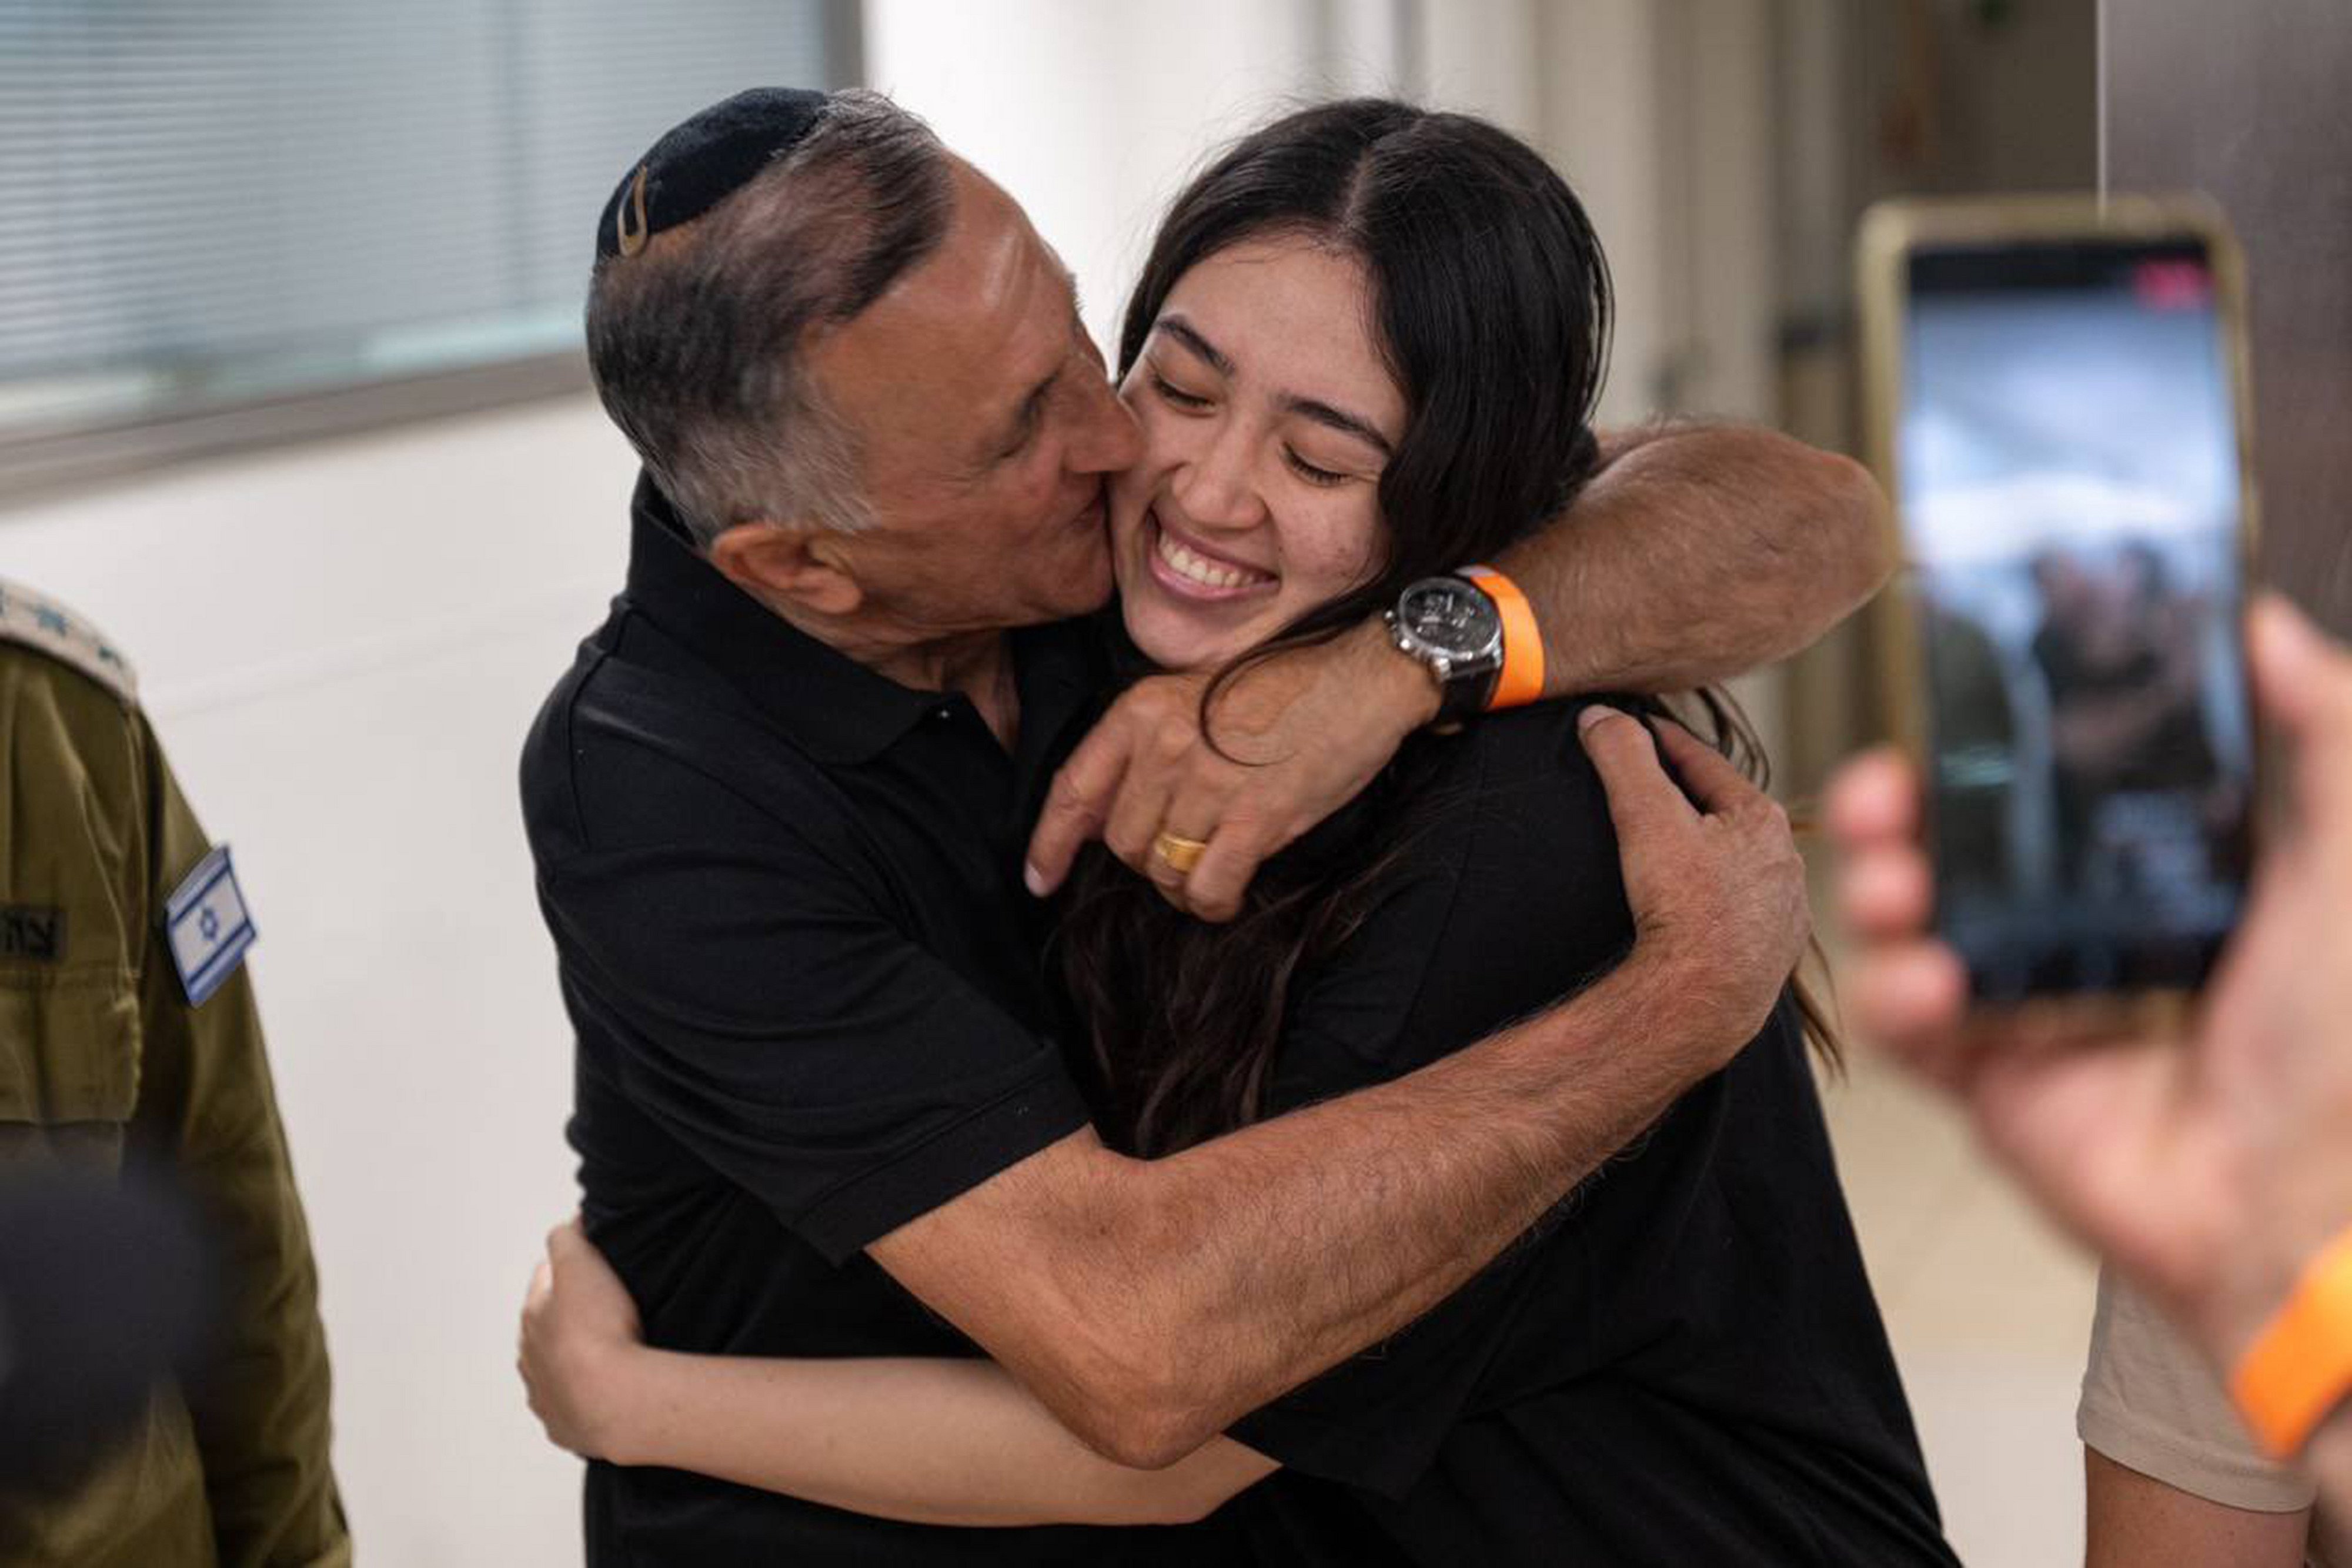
column 927, row 1441
column 1149, row 1304
column 1255, row 1261
column 1698, row 553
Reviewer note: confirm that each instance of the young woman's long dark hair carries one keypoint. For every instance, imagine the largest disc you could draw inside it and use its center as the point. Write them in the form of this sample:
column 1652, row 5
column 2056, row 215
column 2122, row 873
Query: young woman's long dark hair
column 1492, row 309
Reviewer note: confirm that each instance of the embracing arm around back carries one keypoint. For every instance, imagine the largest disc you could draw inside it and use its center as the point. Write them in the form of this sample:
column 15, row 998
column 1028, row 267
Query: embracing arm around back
column 1152, row 1303
column 1699, row 552
column 926, row 1440
column 1149, row 1305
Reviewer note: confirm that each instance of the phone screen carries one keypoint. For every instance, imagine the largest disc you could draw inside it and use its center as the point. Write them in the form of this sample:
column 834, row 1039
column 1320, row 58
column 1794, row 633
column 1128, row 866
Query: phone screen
column 2068, row 453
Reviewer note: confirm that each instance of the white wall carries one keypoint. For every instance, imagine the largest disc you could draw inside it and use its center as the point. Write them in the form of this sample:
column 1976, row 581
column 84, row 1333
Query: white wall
column 341, row 647
column 1092, row 115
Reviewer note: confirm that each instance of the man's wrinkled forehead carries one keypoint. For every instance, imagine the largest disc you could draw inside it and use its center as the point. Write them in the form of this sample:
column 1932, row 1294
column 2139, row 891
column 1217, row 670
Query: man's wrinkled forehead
column 951, row 349
column 993, row 258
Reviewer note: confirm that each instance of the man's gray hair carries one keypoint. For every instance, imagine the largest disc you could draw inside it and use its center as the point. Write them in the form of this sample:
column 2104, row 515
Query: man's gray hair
column 698, row 342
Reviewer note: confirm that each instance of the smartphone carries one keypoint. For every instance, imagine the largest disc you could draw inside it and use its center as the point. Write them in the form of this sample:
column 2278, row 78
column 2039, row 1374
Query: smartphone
column 2057, row 396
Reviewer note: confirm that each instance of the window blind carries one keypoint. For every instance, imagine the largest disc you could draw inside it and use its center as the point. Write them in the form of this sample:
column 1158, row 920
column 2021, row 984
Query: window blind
column 213, row 202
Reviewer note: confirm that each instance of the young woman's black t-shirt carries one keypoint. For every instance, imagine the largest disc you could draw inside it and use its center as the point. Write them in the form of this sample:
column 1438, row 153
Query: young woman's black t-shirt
column 1683, row 1364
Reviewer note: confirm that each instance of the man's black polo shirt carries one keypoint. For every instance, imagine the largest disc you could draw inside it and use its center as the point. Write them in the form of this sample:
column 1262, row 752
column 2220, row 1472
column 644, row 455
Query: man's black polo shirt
column 793, row 944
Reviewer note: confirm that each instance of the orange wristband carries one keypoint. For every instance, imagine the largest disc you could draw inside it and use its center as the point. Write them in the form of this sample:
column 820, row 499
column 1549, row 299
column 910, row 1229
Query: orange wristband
column 1521, row 680
column 2300, row 1366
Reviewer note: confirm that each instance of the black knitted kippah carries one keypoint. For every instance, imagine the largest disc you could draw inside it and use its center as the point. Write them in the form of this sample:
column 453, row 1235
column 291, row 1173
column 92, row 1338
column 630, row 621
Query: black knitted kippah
column 701, row 161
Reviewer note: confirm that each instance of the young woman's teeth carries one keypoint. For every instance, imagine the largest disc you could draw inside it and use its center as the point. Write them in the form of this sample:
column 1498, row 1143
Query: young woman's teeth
column 1193, row 568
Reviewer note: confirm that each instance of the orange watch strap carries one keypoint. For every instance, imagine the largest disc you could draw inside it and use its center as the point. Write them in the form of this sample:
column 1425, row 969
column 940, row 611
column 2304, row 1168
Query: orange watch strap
column 1521, row 680
column 2300, row 1366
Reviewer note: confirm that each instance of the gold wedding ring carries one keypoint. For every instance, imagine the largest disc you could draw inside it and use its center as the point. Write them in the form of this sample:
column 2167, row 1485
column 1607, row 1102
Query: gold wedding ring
column 1180, row 854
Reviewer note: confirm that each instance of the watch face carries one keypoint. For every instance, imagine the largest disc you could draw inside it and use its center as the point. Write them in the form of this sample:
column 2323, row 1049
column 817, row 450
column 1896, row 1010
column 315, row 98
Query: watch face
column 1452, row 616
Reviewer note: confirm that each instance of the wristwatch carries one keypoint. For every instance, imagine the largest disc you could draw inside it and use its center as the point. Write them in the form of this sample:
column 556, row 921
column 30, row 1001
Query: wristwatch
column 1454, row 630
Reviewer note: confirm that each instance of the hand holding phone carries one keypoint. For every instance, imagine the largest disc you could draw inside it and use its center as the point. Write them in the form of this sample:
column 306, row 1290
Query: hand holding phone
column 2206, row 1157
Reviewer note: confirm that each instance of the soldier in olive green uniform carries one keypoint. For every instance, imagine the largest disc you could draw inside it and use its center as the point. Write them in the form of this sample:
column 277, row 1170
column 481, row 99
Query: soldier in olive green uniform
column 114, row 915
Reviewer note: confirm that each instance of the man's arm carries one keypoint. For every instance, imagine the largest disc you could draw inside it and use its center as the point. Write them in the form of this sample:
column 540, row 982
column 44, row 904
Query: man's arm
column 1696, row 553
column 1149, row 1304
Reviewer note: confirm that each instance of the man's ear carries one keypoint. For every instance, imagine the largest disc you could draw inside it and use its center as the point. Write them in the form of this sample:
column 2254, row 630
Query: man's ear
column 802, row 568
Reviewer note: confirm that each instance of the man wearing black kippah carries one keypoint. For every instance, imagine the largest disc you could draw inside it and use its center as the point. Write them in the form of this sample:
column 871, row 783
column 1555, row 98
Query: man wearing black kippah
column 778, row 809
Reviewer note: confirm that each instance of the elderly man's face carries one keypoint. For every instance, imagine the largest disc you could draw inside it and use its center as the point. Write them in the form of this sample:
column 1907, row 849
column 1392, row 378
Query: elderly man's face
column 986, row 426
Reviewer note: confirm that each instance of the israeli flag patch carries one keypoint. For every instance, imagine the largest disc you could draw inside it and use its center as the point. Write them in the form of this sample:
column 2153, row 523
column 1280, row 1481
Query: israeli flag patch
column 209, row 925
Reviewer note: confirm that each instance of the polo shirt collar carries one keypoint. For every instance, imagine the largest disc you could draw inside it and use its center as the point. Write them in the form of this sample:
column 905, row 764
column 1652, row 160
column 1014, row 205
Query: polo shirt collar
column 832, row 706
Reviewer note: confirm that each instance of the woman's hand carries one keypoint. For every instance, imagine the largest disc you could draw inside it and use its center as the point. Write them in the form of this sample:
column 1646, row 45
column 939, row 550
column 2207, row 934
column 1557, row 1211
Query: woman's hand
column 580, row 1332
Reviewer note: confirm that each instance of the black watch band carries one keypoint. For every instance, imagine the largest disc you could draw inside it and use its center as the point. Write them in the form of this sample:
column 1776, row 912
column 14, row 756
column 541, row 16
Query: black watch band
column 1466, row 696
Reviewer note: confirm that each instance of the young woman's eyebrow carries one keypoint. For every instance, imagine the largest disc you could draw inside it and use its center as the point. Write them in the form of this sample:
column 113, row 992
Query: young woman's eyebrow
column 1184, row 332
column 1322, row 413
column 1339, row 419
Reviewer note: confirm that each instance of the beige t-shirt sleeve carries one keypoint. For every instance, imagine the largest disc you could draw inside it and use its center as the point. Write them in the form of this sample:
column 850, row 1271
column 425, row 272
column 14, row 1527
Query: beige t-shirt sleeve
column 2151, row 1404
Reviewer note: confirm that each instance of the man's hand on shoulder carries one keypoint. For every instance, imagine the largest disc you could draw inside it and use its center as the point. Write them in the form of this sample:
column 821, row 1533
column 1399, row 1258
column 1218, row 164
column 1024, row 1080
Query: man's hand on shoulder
column 1290, row 740
column 1712, row 875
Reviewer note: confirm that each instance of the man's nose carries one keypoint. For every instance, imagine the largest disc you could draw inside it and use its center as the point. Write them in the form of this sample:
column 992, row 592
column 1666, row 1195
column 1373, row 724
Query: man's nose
column 1110, row 440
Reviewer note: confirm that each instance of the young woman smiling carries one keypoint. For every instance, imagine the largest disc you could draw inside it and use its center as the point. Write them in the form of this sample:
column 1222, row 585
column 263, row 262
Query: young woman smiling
column 1364, row 350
